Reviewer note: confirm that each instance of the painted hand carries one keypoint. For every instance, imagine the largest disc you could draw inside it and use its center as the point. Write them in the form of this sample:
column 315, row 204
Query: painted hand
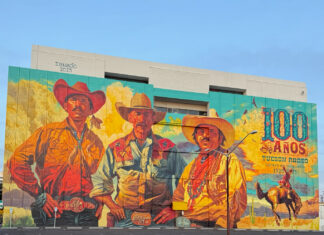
column 117, row 211
column 165, row 215
column 49, row 207
column 99, row 211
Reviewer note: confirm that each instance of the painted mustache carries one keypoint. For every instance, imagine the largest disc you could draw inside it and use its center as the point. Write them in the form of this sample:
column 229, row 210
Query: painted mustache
column 205, row 139
column 141, row 124
column 77, row 108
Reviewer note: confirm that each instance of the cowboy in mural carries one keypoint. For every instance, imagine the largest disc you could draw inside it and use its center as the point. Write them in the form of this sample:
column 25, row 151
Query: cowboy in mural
column 282, row 194
column 284, row 182
column 65, row 154
column 201, row 192
column 144, row 165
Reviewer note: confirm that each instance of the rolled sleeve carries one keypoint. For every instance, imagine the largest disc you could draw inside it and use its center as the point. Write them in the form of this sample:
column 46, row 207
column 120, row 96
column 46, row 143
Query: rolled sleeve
column 102, row 179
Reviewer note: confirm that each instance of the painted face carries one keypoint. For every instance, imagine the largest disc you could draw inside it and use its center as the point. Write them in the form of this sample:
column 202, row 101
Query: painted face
column 142, row 120
column 208, row 137
column 78, row 107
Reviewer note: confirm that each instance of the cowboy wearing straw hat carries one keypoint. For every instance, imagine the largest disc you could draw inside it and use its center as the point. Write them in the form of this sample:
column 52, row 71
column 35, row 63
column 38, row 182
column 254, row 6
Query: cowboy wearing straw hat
column 144, row 164
column 201, row 192
column 65, row 154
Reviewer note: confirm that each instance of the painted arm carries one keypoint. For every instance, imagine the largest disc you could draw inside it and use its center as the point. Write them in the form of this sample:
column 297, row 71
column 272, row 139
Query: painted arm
column 116, row 210
column 103, row 186
column 284, row 168
column 20, row 164
column 169, row 213
column 102, row 179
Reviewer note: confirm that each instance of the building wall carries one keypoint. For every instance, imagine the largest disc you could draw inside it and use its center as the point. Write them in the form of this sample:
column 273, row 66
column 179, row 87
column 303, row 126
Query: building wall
column 286, row 136
column 164, row 76
column 321, row 215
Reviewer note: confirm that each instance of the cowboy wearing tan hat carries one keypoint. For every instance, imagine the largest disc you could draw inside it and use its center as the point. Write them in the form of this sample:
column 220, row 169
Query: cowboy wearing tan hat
column 144, row 164
column 201, row 192
column 65, row 154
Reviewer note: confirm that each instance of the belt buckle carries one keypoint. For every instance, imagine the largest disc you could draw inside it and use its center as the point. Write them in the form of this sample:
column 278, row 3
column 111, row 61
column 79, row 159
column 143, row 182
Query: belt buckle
column 77, row 205
column 141, row 218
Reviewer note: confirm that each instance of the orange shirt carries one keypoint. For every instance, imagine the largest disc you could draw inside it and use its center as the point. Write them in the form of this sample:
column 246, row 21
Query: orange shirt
column 62, row 165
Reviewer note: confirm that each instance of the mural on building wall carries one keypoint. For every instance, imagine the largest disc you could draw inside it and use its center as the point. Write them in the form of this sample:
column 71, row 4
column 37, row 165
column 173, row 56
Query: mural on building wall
column 83, row 151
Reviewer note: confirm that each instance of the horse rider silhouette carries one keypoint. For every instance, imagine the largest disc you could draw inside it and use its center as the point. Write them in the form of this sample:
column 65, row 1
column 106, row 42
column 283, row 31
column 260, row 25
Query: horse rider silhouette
column 284, row 182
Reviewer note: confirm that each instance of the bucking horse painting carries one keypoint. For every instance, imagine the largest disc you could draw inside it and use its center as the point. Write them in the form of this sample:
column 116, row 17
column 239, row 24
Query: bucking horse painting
column 277, row 195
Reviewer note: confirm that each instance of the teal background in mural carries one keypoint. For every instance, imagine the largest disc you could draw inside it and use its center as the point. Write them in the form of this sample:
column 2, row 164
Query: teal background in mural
column 31, row 105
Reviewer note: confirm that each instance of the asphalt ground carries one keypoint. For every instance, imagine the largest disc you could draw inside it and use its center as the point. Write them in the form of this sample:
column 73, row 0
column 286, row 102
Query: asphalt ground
column 145, row 231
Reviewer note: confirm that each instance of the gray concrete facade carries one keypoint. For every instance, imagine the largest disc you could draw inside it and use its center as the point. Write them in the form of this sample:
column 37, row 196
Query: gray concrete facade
column 164, row 75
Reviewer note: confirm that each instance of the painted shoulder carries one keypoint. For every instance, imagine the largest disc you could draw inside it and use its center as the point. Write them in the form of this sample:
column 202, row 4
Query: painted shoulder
column 54, row 125
column 164, row 143
column 121, row 150
column 119, row 143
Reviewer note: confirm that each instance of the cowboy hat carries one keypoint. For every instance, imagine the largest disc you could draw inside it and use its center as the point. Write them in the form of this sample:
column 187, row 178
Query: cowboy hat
column 139, row 101
column 62, row 90
column 189, row 122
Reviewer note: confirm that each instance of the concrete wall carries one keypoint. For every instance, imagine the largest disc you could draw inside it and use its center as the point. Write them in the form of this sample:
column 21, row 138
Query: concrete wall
column 164, row 75
column 321, row 215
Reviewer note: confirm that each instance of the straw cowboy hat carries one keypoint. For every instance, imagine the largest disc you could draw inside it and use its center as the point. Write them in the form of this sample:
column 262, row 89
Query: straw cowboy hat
column 62, row 90
column 190, row 122
column 139, row 101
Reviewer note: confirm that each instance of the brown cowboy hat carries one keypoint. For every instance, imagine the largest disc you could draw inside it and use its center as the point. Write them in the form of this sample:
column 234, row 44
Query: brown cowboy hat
column 62, row 90
column 139, row 101
column 189, row 122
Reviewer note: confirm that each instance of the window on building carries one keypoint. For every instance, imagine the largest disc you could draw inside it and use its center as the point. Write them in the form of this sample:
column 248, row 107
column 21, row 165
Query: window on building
column 227, row 90
column 171, row 105
column 127, row 78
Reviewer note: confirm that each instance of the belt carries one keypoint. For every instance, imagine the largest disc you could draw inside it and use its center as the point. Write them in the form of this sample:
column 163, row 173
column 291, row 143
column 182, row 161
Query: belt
column 76, row 205
column 141, row 218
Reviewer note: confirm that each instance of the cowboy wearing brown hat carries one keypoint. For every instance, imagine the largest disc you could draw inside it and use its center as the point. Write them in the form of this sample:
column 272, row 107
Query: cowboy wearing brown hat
column 144, row 164
column 65, row 155
column 201, row 192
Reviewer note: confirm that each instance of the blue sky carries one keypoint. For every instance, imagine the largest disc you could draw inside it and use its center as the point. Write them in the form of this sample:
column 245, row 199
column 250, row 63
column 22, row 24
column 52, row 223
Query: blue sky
column 279, row 39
